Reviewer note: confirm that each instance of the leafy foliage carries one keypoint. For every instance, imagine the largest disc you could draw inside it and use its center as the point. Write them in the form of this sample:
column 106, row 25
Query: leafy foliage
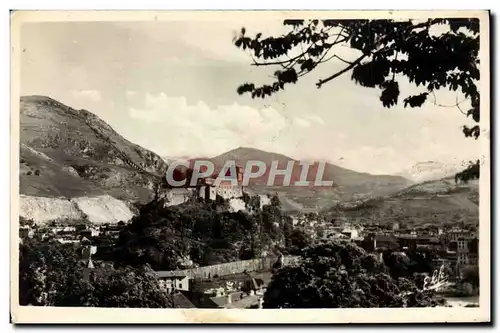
column 471, row 172
column 413, row 264
column 387, row 51
column 337, row 275
column 44, row 268
column 123, row 287
column 297, row 241
column 206, row 232
column 471, row 276
column 52, row 274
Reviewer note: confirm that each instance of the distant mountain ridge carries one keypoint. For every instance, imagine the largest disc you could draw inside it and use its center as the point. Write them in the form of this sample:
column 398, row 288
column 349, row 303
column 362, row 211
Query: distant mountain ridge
column 172, row 159
column 347, row 184
column 74, row 155
column 341, row 177
column 430, row 170
column 432, row 202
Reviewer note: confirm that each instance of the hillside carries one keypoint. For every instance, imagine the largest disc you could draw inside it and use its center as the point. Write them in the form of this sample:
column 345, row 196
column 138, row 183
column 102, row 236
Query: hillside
column 433, row 202
column 430, row 170
column 207, row 233
column 96, row 209
column 72, row 153
column 347, row 184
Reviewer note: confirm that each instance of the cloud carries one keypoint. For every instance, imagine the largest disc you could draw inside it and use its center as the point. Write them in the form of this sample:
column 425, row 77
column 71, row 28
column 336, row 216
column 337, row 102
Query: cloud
column 92, row 95
column 330, row 123
column 131, row 94
column 301, row 122
column 315, row 119
column 172, row 126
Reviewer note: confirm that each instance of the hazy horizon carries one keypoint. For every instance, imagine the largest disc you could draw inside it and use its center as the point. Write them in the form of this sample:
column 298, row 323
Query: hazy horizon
column 169, row 88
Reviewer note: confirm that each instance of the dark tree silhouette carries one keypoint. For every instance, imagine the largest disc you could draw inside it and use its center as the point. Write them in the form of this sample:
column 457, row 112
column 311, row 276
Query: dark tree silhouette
column 336, row 275
column 52, row 274
column 44, row 269
column 388, row 51
column 471, row 276
column 207, row 232
column 117, row 288
column 297, row 240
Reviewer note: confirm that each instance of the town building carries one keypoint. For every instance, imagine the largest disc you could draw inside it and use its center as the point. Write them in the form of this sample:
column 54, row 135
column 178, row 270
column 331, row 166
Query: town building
column 350, row 232
column 173, row 283
column 179, row 300
column 207, row 189
column 90, row 232
column 60, row 229
column 204, row 188
column 374, row 242
column 111, row 230
column 407, row 242
column 467, row 252
column 178, row 196
column 455, row 234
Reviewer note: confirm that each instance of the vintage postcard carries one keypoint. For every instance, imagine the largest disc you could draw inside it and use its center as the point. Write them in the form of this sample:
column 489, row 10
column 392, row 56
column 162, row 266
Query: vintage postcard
column 250, row 167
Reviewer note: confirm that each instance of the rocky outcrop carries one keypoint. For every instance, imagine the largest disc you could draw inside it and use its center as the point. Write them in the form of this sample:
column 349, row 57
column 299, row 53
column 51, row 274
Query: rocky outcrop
column 104, row 209
column 68, row 153
column 99, row 209
column 43, row 209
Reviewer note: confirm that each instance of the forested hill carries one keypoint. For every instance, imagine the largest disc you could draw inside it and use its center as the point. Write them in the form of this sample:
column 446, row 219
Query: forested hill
column 207, row 233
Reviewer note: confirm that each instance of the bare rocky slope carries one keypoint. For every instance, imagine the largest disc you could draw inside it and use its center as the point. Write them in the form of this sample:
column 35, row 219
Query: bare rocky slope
column 97, row 210
column 438, row 202
column 73, row 155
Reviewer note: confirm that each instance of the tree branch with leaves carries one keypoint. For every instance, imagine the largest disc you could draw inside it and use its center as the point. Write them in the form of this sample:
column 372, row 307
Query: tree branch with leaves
column 388, row 50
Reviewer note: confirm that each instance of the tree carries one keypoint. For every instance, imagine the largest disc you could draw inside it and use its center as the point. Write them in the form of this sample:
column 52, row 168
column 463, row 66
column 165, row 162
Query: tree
column 275, row 201
column 297, row 241
column 397, row 264
column 44, row 269
column 162, row 236
column 471, row 275
column 337, row 275
column 52, row 274
column 123, row 287
column 387, row 52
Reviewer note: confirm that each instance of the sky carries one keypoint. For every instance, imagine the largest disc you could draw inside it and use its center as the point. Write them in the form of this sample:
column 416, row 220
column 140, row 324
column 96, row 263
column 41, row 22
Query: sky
column 171, row 87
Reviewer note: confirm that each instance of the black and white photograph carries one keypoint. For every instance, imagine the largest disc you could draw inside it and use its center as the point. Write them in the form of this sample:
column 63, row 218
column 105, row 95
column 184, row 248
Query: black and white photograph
column 333, row 161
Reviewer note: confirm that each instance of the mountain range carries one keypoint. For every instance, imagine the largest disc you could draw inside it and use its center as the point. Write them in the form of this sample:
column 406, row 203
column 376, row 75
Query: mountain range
column 68, row 153
column 436, row 202
column 347, row 184
column 430, row 170
column 72, row 154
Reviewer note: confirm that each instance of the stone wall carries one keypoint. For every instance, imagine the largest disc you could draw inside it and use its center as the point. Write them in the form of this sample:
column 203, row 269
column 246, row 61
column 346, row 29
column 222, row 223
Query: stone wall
column 226, row 192
column 207, row 192
column 230, row 268
column 230, row 192
column 178, row 196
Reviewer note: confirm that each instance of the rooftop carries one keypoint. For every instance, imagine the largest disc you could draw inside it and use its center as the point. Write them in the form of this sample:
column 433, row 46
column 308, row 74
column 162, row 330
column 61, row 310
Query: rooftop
column 181, row 301
column 244, row 303
column 385, row 238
